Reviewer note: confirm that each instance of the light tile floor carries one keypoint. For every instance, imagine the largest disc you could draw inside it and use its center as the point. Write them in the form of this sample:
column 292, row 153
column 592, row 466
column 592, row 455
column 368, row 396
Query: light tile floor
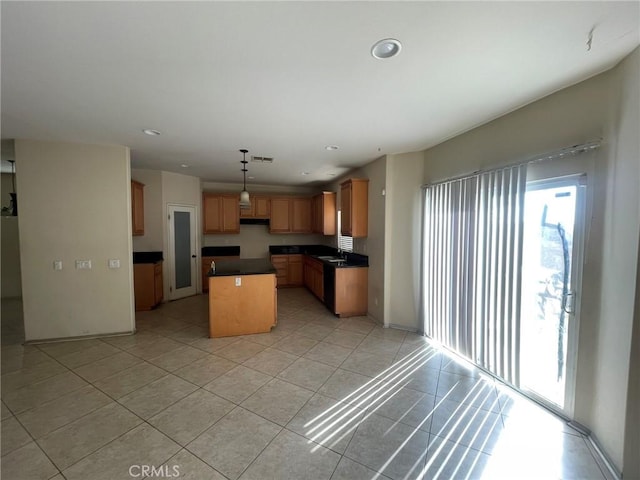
column 317, row 398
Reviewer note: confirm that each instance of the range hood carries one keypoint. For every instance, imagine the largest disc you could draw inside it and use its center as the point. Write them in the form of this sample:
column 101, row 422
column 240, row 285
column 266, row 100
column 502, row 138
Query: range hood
column 254, row 221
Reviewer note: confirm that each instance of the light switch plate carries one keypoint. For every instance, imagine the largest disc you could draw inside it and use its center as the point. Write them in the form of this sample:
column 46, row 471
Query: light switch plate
column 57, row 264
column 114, row 263
column 238, row 281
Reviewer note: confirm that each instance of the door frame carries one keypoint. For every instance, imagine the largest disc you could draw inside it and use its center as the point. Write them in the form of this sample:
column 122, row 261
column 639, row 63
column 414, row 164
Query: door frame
column 577, row 259
column 193, row 209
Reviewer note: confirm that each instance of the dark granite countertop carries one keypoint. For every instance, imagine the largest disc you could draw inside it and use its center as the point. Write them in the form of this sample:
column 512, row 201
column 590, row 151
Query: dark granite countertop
column 147, row 257
column 226, row 251
column 316, row 251
column 243, row 266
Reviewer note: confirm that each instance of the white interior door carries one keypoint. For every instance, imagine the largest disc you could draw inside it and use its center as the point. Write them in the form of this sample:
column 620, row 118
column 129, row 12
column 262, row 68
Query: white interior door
column 183, row 257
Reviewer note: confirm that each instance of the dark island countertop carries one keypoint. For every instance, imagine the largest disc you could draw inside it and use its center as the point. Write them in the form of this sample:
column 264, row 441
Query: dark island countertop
column 243, row 266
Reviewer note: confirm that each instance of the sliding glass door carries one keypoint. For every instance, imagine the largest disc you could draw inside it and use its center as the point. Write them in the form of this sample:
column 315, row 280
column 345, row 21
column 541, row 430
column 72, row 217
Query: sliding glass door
column 501, row 274
column 550, row 284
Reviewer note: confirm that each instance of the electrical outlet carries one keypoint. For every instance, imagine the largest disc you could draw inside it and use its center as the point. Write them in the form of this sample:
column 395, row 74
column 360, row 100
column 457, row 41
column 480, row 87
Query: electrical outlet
column 114, row 263
column 83, row 264
column 238, row 281
column 57, row 264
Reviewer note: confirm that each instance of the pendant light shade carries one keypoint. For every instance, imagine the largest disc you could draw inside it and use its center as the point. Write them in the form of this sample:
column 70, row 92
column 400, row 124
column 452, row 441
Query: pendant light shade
column 245, row 201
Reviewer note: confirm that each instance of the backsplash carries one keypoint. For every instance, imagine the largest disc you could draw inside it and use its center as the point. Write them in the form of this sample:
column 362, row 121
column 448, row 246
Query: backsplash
column 254, row 240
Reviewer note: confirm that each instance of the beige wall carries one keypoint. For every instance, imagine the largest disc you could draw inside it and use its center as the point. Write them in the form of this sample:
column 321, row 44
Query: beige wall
column 402, row 252
column 619, row 265
column 254, row 240
column 181, row 190
column 75, row 204
column 604, row 106
column 10, row 283
column 374, row 244
column 631, row 467
column 152, row 240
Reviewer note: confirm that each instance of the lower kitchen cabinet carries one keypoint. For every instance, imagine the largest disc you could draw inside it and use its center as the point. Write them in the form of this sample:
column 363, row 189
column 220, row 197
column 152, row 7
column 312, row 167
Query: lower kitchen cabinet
column 351, row 291
column 314, row 276
column 289, row 270
column 147, row 285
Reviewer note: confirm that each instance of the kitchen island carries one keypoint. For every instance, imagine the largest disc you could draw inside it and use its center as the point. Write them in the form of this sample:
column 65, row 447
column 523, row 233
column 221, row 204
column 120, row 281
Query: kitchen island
column 242, row 297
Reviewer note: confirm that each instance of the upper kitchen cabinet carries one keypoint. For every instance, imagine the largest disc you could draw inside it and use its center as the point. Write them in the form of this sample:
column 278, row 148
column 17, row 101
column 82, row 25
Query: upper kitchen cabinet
column 260, row 208
column 290, row 215
column 137, row 208
column 301, row 215
column 323, row 213
column 354, row 206
column 221, row 213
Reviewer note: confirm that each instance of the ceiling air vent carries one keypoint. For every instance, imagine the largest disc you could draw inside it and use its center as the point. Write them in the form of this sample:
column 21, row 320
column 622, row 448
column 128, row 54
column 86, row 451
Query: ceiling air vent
column 257, row 159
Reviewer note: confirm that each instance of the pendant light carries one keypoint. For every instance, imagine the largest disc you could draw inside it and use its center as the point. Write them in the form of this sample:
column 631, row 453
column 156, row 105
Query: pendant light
column 245, row 202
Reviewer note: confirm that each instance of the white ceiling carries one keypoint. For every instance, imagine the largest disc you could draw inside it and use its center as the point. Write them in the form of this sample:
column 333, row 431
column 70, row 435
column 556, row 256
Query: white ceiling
column 285, row 79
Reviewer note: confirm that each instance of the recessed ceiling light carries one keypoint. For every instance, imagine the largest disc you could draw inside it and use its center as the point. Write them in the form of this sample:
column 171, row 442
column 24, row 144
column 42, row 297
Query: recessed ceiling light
column 331, row 174
column 251, row 178
column 152, row 132
column 331, row 147
column 387, row 48
column 304, row 173
column 184, row 165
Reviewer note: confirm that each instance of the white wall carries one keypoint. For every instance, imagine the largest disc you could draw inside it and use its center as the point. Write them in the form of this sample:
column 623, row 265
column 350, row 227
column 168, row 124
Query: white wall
column 152, row 240
column 604, row 106
column 75, row 204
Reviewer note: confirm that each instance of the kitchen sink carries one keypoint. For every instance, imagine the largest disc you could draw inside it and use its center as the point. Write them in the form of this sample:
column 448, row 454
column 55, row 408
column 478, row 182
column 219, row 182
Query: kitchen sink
column 331, row 258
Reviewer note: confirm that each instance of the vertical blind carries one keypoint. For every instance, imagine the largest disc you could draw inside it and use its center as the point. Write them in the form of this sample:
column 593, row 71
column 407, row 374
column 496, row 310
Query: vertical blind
column 472, row 243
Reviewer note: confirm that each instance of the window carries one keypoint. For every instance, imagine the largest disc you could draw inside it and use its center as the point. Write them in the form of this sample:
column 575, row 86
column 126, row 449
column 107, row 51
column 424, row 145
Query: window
column 344, row 243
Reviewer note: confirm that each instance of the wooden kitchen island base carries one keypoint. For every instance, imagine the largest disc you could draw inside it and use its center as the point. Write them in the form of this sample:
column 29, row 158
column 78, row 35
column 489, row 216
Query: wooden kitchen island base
column 247, row 308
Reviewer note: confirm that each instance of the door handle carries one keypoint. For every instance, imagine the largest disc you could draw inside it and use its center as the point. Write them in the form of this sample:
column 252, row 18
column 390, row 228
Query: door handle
column 569, row 301
column 193, row 256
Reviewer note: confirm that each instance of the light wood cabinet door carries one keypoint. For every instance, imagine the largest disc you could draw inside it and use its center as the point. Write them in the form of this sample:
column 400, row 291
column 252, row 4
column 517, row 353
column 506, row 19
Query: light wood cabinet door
column 301, row 215
column 137, row 208
column 248, row 212
column 295, row 270
column 230, row 214
column 281, row 264
column 262, row 207
column 323, row 213
column 351, row 291
column 314, row 276
column 220, row 213
column 211, row 213
column 280, row 215
column 147, row 285
column 345, row 209
column 354, row 207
